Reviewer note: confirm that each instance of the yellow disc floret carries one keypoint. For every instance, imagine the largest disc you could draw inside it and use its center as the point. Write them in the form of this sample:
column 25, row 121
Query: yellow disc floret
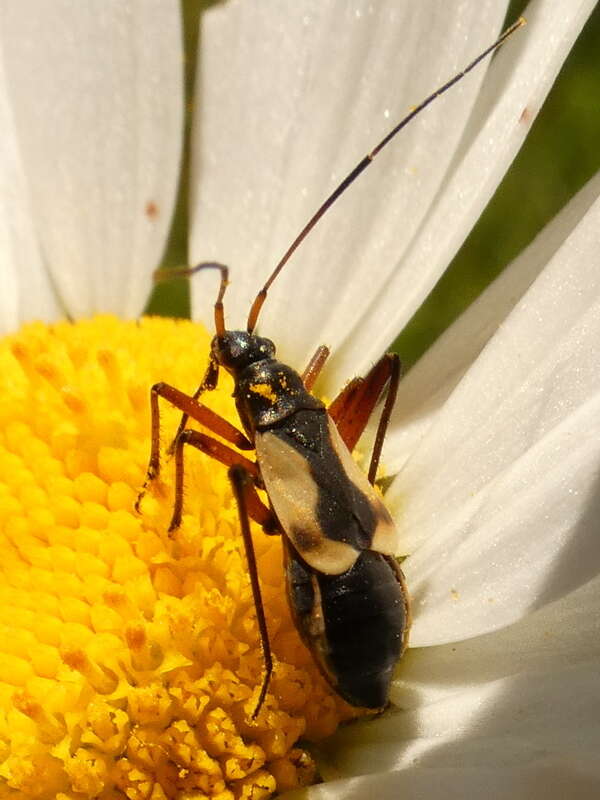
column 130, row 660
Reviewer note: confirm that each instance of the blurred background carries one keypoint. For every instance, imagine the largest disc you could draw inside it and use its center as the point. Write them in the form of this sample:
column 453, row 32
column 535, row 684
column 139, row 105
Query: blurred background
column 560, row 154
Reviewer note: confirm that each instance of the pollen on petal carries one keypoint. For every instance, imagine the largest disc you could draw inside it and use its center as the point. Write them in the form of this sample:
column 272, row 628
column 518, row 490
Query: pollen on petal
column 130, row 659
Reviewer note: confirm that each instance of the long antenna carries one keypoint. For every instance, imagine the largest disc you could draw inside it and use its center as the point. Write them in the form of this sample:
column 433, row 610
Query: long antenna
column 362, row 165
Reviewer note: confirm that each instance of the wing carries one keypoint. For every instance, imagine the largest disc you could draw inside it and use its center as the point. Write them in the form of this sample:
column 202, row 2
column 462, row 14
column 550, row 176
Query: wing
column 324, row 502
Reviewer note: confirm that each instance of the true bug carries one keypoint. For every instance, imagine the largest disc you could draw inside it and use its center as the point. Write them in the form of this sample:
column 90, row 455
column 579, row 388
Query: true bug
column 346, row 592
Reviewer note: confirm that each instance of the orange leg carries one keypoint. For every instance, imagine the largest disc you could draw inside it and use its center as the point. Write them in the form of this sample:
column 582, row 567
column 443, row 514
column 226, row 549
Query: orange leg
column 257, row 510
column 243, row 489
column 191, row 408
column 208, row 384
column 352, row 408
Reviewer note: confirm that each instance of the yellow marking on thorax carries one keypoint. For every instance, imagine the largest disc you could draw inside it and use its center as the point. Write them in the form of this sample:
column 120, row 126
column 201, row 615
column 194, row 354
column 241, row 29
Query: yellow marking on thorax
column 264, row 390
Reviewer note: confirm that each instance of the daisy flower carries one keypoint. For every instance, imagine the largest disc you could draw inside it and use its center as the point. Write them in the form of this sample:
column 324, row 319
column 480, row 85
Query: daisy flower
column 129, row 661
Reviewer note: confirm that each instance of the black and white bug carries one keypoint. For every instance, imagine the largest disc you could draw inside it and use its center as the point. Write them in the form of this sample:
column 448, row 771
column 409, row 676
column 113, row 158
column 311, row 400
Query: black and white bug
column 345, row 589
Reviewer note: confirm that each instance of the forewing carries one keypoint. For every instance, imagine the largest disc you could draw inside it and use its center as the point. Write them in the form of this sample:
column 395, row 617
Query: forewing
column 323, row 501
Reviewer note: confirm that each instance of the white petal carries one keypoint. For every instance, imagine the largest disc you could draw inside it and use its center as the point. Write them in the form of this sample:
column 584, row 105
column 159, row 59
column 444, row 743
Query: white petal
column 26, row 293
column 291, row 96
column 516, row 85
column 562, row 634
column 505, row 700
column 543, row 779
column 426, row 387
column 504, row 724
column 503, row 488
column 96, row 89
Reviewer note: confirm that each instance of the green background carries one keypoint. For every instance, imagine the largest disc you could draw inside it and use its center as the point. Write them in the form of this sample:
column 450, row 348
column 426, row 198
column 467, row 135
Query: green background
column 560, row 154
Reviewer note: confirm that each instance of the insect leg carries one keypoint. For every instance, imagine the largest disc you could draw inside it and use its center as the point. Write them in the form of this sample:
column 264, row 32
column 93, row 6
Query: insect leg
column 220, row 452
column 340, row 407
column 353, row 407
column 191, row 408
column 240, row 483
column 314, row 367
column 208, row 384
column 384, row 419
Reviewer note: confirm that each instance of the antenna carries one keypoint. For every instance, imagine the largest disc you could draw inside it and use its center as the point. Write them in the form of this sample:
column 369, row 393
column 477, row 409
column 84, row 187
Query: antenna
column 361, row 166
column 185, row 272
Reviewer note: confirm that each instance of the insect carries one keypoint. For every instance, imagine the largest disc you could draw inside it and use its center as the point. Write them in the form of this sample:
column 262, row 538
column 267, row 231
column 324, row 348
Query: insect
column 345, row 589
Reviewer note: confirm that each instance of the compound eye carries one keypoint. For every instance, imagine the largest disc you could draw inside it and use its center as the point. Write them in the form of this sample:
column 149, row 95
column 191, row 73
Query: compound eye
column 267, row 348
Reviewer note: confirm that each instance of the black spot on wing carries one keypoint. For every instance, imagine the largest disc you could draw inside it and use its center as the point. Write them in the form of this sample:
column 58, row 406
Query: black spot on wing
column 306, row 539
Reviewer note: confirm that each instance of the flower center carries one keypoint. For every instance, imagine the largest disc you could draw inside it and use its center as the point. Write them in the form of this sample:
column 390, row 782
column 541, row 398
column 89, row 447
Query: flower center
column 130, row 660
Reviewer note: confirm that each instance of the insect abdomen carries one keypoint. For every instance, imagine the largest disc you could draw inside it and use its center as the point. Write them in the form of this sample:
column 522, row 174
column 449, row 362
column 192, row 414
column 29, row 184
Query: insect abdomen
column 354, row 623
